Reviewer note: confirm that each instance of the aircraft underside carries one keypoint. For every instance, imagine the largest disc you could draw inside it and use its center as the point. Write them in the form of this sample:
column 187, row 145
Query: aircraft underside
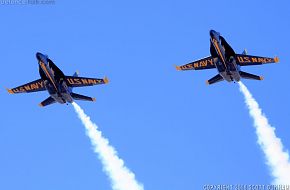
column 58, row 85
column 227, row 63
column 231, row 76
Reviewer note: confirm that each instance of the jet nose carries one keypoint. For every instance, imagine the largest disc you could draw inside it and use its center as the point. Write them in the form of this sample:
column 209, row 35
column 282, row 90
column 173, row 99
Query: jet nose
column 41, row 58
column 38, row 56
column 212, row 32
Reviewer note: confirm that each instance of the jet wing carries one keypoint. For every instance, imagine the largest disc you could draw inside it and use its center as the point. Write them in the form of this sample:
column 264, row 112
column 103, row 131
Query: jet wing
column 205, row 63
column 247, row 60
column 34, row 86
column 82, row 81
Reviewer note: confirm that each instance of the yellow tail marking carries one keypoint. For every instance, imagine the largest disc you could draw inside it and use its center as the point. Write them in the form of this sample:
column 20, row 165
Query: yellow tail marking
column 177, row 67
column 106, row 80
column 9, row 91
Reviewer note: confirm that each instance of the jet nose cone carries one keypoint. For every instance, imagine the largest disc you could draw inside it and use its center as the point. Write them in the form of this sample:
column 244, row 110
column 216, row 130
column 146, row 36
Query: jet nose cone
column 38, row 56
column 212, row 32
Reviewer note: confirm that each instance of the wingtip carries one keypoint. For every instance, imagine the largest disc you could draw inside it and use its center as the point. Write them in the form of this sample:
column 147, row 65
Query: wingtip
column 106, row 80
column 9, row 91
column 261, row 78
column 206, row 82
column 40, row 105
column 276, row 59
column 94, row 99
column 177, row 67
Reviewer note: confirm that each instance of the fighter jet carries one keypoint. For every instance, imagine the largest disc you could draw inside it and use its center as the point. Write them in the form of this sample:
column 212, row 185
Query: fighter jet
column 226, row 61
column 58, row 85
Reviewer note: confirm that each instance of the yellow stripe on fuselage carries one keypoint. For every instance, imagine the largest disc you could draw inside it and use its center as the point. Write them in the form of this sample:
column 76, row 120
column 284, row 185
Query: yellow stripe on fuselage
column 219, row 51
column 47, row 73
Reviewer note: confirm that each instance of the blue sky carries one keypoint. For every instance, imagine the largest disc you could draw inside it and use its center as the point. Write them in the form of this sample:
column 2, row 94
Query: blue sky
column 172, row 130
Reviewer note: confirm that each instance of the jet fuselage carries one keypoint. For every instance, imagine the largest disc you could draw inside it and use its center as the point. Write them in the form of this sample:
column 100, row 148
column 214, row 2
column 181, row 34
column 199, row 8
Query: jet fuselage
column 224, row 57
column 53, row 79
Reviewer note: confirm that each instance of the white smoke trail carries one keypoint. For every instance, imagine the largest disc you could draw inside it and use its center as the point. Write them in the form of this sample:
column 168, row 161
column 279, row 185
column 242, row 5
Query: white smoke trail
column 277, row 159
column 121, row 177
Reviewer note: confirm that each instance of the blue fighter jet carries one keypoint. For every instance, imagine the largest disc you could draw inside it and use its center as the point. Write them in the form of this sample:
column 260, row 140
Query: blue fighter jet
column 226, row 61
column 58, row 85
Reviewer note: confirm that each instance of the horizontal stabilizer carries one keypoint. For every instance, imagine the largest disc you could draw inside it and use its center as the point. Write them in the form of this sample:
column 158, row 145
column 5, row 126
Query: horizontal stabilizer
column 215, row 79
column 250, row 76
column 47, row 102
column 82, row 97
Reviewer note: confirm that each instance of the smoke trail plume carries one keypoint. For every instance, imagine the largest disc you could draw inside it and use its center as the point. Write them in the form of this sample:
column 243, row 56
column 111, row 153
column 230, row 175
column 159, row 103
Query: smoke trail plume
column 277, row 159
column 121, row 177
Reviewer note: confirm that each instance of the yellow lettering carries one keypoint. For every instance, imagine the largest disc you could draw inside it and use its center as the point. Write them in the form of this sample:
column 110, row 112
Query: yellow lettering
column 77, row 81
column 254, row 59
column 27, row 87
column 40, row 84
column 261, row 60
column 99, row 81
column 34, row 86
column 269, row 60
column 247, row 59
column 91, row 81
column 70, row 81
column 15, row 90
column 241, row 60
column 84, row 81
column 21, row 89
column 203, row 63
column 195, row 65
column 210, row 61
column 186, row 67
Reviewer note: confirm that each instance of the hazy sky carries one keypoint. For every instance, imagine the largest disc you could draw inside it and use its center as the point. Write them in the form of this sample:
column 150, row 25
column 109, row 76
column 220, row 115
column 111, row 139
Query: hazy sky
column 173, row 131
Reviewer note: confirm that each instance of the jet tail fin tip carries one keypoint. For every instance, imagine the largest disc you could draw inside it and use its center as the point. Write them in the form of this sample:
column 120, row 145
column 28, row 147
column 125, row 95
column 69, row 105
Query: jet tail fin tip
column 76, row 74
column 245, row 52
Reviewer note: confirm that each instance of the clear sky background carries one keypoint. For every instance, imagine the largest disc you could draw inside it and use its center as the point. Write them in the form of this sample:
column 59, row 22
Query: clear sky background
column 173, row 131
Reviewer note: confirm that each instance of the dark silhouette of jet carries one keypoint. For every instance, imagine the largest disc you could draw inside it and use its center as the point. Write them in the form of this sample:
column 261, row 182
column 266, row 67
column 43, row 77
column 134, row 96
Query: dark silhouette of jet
column 58, row 85
column 226, row 61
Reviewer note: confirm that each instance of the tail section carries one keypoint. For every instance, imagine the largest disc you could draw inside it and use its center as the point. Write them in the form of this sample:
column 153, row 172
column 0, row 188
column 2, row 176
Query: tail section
column 76, row 74
column 82, row 97
column 250, row 76
column 215, row 79
column 47, row 102
column 76, row 96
